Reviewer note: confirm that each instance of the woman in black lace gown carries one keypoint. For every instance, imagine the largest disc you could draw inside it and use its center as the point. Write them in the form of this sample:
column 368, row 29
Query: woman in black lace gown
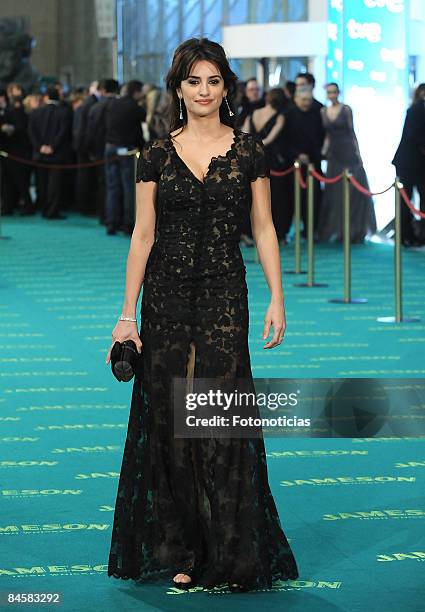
column 200, row 510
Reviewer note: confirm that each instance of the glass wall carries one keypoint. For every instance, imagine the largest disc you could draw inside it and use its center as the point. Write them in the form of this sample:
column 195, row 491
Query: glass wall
column 149, row 30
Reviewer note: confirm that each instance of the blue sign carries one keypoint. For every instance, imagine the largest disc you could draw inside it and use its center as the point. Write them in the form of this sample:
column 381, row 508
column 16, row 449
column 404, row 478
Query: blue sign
column 335, row 71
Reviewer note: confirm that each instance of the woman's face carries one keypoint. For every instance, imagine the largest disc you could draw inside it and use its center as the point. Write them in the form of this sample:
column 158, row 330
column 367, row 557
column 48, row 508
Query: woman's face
column 203, row 90
column 332, row 93
column 35, row 102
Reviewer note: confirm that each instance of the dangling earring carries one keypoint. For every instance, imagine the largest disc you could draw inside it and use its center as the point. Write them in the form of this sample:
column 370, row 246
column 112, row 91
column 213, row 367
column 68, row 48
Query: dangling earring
column 181, row 110
column 228, row 107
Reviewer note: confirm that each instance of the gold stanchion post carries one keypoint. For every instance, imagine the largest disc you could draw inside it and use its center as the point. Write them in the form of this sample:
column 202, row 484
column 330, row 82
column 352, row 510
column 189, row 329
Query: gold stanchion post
column 347, row 245
column 397, row 255
column 297, row 221
column 310, row 233
column 347, row 299
column 397, row 263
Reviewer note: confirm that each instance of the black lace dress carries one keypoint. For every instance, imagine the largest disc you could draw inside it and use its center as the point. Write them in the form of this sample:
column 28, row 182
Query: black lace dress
column 205, row 501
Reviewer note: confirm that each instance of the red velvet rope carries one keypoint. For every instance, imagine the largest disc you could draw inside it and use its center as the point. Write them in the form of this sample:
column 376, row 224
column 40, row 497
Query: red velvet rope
column 324, row 179
column 30, row 162
column 362, row 189
column 282, row 172
column 352, row 180
column 409, row 203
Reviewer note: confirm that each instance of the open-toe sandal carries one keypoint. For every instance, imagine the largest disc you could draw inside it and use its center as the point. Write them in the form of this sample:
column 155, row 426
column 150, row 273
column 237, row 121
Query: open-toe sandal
column 237, row 588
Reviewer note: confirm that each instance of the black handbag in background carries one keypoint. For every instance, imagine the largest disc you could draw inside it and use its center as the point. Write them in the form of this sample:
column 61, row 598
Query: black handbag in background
column 126, row 361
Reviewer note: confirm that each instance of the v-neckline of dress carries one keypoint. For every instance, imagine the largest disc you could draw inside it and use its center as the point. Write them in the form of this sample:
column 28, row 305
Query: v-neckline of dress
column 336, row 116
column 213, row 159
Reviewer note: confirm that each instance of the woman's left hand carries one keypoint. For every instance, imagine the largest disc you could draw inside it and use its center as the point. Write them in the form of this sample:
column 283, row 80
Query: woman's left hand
column 275, row 317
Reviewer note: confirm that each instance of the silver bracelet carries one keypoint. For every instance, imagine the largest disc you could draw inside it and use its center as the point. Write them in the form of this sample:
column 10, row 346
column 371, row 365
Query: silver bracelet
column 121, row 318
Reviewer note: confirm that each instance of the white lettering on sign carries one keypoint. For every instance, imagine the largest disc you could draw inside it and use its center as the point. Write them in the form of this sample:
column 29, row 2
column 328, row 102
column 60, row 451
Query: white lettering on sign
column 395, row 56
column 355, row 65
column 394, row 6
column 337, row 5
column 371, row 31
column 375, row 75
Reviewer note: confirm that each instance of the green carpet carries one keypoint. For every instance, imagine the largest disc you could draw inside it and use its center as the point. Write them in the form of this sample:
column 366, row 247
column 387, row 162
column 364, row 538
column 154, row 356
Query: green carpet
column 353, row 509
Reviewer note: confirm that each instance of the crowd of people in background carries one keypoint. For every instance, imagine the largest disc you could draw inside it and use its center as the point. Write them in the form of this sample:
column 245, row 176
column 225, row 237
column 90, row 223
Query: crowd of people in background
column 97, row 130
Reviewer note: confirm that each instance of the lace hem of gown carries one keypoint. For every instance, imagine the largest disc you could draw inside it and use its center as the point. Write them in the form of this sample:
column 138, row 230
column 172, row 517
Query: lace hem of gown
column 167, row 573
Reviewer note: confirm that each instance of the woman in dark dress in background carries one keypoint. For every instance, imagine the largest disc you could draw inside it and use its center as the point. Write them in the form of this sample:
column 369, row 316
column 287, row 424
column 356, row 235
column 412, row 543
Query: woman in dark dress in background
column 198, row 509
column 341, row 150
column 267, row 123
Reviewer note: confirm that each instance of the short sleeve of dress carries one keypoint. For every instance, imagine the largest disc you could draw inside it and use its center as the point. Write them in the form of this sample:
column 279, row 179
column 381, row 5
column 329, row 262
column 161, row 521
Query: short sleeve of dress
column 259, row 165
column 147, row 164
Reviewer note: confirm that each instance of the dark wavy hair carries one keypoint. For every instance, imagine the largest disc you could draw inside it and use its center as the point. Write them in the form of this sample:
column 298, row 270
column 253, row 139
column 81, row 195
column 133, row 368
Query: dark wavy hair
column 185, row 56
column 276, row 98
column 332, row 84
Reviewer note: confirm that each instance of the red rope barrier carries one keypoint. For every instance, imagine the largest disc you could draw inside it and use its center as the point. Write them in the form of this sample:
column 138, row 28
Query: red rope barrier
column 324, row 179
column 30, row 162
column 282, row 172
column 362, row 189
column 409, row 203
column 300, row 178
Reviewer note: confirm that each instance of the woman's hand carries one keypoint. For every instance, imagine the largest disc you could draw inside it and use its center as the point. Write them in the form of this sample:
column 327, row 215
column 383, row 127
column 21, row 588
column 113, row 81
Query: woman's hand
column 125, row 330
column 275, row 316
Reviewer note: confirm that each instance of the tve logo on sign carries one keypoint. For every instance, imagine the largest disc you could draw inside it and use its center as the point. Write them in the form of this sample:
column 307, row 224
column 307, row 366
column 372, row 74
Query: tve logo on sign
column 370, row 31
column 394, row 6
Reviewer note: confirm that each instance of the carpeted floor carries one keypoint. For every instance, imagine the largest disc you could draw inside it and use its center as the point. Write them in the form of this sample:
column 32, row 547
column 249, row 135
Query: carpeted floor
column 353, row 509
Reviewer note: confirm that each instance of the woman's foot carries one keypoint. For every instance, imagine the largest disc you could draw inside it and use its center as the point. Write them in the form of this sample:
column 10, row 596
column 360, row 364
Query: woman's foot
column 182, row 578
column 185, row 579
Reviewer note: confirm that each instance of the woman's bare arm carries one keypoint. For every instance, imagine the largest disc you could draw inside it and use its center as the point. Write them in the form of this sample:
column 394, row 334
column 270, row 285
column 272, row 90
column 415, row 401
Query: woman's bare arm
column 142, row 240
column 276, row 129
column 264, row 234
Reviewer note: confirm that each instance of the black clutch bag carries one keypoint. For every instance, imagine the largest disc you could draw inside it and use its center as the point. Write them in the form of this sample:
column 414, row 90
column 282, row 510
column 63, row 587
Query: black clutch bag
column 126, row 361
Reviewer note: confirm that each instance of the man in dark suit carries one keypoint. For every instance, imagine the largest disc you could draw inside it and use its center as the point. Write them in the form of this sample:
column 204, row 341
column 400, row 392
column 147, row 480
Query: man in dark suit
column 409, row 161
column 95, row 138
column 303, row 135
column 85, row 191
column 19, row 174
column 50, row 132
column 7, row 129
column 124, row 133
column 306, row 79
